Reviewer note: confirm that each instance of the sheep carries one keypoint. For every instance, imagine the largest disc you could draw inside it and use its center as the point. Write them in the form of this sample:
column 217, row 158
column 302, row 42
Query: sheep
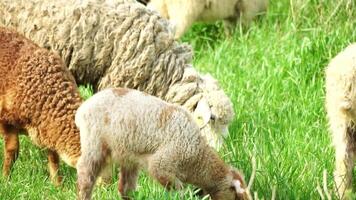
column 113, row 44
column 341, row 113
column 183, row 13
column 139, row 131
column 38, row 95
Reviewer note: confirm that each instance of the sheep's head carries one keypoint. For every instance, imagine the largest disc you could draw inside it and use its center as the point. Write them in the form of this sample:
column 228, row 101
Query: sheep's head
column 214, row 112
column 202, row 96
column 235, row 190
column 239, row 187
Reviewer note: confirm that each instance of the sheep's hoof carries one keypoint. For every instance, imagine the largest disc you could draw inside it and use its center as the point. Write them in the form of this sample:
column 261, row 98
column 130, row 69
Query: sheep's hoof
column 57, row 181
column 101, row 181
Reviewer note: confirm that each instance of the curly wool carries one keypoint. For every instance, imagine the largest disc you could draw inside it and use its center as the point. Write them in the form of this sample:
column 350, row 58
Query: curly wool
column 38, row 94
column 341, row 112
column 113, row 44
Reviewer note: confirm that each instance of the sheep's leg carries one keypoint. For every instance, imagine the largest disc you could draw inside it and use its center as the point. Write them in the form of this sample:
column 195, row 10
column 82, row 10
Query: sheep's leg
column 180, row 26
column 162, row 167
column 88, row 168
column 229, row 26
column 128, row 180
column 105, row 176
column 53, row 166
column 344, row 137
column 182, row 19
column 11, row 147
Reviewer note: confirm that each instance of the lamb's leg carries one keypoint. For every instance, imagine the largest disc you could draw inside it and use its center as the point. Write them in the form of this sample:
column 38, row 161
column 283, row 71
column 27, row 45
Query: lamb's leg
column 128, row 180
column 163, row 168
column 53, row 166
column 11, row 147
column 87, row 171
column 93, row 158
column 105, row 176
column 344, row 139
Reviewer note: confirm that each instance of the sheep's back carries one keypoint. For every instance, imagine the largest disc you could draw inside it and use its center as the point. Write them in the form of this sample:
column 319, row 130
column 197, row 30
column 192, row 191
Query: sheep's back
column 13, row 49
column 107, row 45
column 136, row 122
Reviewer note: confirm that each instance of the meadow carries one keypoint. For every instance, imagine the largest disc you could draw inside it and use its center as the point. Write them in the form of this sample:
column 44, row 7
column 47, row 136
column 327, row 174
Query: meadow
column 274, row 73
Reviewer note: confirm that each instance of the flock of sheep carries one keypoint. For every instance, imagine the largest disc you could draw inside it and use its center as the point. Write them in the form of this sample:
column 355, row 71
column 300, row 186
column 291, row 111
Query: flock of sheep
column 171, row 119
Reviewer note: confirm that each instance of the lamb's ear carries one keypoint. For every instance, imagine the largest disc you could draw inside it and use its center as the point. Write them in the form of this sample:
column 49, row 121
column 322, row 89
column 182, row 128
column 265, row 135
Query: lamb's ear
column 202, row 113
column 237, row 185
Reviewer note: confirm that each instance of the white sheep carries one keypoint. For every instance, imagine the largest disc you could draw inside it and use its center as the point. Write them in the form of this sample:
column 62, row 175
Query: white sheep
column 341, row 112
column 183, row 13
column 106, row 43
column 138, row 131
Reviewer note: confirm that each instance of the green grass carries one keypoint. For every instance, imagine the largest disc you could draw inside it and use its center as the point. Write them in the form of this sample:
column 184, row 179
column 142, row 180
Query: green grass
column 274, row 74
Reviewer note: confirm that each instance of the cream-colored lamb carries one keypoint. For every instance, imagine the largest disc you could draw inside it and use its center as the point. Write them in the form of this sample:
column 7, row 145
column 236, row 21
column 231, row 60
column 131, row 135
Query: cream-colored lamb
column 183, row 13
column 341, row 110
column 137, row 131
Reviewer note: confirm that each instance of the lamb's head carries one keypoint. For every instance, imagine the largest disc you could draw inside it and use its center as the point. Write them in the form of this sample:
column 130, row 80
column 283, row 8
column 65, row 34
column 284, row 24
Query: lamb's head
column 239, row 187
column 236, row 188
column 214, row 112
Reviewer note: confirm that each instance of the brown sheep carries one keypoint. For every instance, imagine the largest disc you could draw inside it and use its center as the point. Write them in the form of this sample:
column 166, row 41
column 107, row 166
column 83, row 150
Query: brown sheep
column 38, row 95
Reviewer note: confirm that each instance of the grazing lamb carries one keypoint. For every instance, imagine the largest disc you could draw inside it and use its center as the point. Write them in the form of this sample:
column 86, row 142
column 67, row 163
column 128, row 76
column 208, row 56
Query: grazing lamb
column 183, row 13
column 39, row 95
column 111, row 44
column 137, row 131
column 341, row 111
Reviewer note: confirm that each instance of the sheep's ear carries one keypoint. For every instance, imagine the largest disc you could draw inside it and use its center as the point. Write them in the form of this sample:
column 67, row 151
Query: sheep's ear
column 237, row 185
column 202, row 113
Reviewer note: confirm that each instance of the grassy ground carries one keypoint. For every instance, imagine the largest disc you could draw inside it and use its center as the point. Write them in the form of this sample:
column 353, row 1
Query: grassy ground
column 274, row 74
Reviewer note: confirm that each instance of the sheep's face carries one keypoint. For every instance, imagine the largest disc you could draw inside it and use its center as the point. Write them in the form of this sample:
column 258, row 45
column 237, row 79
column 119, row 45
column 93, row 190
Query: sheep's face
column 237, row 190
column 213, row 114
column 231, row 193
column 238, row 186
column 234, row 188
column 228, row 194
